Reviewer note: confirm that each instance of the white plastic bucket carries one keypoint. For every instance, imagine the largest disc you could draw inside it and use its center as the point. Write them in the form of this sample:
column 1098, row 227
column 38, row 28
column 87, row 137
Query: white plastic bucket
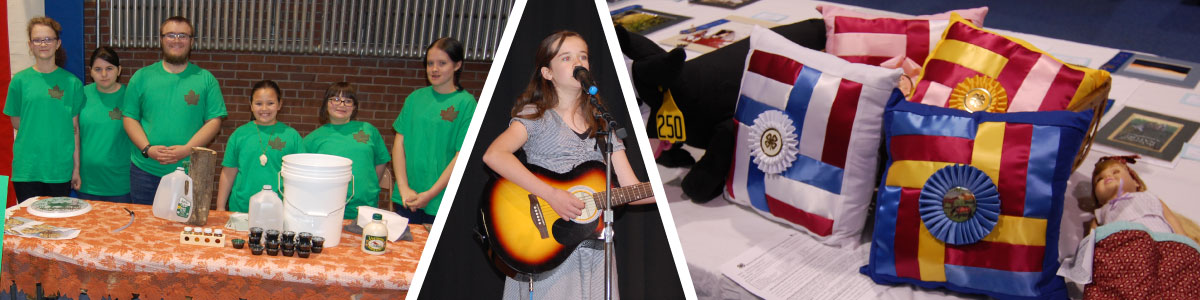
column 314, row 194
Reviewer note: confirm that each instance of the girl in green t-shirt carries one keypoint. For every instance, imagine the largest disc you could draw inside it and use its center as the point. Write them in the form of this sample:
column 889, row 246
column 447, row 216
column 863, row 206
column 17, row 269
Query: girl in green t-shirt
column 358, row 141
column 430, row 129
column 104, row 145
column 254, row 152
column 44, row 102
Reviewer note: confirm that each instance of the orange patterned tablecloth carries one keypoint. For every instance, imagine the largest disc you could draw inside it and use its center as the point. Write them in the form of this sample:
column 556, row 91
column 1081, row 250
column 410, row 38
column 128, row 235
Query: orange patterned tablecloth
column 147, row 259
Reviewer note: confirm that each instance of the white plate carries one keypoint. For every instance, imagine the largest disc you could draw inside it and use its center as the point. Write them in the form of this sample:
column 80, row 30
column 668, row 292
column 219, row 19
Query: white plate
column 58, row 207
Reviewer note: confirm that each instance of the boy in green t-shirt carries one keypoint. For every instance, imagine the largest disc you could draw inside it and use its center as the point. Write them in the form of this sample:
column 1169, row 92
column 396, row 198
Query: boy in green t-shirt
column 170, row 107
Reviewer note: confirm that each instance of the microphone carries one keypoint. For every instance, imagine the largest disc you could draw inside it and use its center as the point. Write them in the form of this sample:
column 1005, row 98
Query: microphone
column 585, row 80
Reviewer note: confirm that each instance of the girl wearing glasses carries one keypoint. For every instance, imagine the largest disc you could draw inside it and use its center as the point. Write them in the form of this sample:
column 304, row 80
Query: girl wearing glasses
column 553, row 122
column 254, row 152
column 430, row 129
column 356, row 140
column 44, row 102
column 105, row 147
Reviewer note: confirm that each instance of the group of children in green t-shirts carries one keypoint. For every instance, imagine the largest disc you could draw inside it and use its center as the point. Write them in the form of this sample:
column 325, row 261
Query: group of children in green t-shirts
column 112, row 142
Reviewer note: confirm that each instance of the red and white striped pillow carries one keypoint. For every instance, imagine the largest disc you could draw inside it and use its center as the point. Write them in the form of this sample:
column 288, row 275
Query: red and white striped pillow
column 870, row 39
column 826, row 113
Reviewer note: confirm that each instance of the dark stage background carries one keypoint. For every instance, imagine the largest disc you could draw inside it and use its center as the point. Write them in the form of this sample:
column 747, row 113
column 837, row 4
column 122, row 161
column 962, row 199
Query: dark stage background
column 460, row 267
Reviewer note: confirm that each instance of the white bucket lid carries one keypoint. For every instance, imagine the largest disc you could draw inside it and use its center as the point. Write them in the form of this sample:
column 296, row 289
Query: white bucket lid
column 340, row 177
column 316, row 173
column 317, row 160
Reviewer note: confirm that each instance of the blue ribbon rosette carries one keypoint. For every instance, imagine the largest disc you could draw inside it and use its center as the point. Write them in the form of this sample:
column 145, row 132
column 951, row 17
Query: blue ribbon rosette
column 959, row 204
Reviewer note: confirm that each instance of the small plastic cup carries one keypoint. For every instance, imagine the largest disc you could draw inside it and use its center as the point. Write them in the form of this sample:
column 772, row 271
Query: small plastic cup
column 289, row 236
column 287, row 252
column 272, row 252
column 272, row 235
column 238, row 243
column 256, row 249
column 302, row 253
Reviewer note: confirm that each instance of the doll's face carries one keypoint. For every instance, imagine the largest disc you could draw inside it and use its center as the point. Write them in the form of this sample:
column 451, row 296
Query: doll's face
column 1113, row 179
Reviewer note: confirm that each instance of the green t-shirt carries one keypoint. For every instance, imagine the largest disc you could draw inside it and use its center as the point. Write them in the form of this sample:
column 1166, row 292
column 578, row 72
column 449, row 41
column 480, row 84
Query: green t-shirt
column 362, row 144
column 433, row 126
column 243, row 151
column 104, row 145
column 171, row 108
column 44, row 150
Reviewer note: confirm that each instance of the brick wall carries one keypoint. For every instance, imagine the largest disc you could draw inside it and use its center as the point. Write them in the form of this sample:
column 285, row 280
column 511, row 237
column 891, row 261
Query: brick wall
column 382, row 83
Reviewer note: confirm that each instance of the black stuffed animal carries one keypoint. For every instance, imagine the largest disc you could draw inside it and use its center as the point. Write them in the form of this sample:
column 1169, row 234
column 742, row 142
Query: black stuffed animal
column 706, row 91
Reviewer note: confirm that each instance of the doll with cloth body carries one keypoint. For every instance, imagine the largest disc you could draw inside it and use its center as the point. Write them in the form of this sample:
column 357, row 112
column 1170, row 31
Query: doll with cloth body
column 1138, row 247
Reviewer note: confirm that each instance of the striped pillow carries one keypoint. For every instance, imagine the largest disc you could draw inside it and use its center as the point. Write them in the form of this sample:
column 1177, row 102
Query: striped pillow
column 978, row 70
column 870, row 39
column 972, row 202
column 808, row 137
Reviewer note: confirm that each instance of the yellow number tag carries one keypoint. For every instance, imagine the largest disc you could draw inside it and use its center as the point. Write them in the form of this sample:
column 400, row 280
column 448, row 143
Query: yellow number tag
column 670, row 120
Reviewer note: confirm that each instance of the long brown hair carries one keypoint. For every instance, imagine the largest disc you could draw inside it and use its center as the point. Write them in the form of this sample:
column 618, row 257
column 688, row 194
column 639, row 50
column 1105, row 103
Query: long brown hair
column 540, row 94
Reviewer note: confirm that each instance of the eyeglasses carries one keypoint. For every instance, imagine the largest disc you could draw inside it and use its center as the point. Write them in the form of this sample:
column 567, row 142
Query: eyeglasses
column 343, row 101
column 43, row 41
column 177, row 36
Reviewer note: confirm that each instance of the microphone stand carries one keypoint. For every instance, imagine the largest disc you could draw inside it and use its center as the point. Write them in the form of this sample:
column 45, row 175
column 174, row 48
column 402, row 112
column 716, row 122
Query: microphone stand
column 606, row 148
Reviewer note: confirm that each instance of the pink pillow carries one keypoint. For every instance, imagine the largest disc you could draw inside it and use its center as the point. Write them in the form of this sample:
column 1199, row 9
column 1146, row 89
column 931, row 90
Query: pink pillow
column 870, row 39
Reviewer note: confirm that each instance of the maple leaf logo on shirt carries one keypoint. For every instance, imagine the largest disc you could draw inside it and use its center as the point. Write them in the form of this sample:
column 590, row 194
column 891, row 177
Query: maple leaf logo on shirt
column 277, row 143
column 449, row 114
column 192, row 98
column 55, row 92
column 115, row 114
column 361, row 136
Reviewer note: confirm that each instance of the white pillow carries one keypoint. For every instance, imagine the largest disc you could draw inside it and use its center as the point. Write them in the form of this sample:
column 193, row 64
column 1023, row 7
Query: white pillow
column 809, row 126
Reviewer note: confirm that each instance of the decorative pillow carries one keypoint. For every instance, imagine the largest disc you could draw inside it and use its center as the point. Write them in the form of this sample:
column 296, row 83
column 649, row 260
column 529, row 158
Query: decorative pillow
column 870, row 39
column 979, row 70
column 808, row 137
column 972, row 201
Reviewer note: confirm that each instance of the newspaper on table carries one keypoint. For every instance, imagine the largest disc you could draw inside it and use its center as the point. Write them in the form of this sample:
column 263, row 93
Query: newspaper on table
column 795, row 266
column 23, row 227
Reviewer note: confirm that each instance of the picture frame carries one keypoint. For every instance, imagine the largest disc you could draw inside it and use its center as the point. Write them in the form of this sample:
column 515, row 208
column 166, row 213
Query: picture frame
column 716, row 34
column 730, row 4
column 1147, row 133
column 643, row 21
column 1156, row 69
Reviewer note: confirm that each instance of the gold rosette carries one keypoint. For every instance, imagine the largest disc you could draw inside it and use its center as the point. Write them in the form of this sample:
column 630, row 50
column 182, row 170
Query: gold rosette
column 979, row 93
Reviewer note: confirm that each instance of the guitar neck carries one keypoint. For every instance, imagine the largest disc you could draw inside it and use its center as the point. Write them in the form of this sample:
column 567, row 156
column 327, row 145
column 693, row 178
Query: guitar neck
column 625, row 194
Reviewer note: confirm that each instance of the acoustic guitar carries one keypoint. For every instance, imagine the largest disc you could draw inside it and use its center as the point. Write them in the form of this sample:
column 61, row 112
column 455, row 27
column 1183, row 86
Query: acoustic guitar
column 528, row 236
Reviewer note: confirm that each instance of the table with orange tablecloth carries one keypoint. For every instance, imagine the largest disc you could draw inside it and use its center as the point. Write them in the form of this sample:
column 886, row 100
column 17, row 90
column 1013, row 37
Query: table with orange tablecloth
column 148, row 259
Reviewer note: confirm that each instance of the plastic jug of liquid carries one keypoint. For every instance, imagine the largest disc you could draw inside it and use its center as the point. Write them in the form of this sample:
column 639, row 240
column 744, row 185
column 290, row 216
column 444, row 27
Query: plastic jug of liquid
column 173, row 199
column 266, row 210
column 375, row 236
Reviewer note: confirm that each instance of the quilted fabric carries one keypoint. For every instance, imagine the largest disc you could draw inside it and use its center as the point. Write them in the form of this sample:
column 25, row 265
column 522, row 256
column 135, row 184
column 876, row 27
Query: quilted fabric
column 1026, row 156
column 827, row 109
column 871, row 39
column 1018, row 76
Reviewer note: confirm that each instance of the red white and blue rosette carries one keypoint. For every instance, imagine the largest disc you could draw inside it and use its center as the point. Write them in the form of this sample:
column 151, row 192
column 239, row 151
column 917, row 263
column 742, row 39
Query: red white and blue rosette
column 959, row 204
